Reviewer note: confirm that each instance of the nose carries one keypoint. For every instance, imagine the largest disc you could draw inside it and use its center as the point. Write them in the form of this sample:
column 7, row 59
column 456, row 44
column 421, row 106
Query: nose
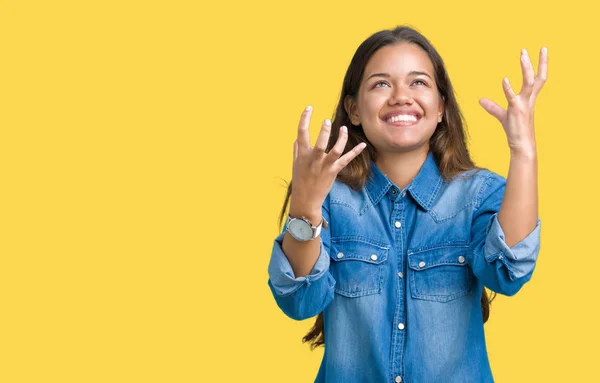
column 400, row 95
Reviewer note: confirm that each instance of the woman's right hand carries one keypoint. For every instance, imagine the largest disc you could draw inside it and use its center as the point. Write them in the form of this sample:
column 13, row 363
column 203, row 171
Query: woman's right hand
column 314, row 171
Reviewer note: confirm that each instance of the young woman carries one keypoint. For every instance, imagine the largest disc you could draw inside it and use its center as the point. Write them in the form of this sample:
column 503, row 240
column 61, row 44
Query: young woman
column 393, row 232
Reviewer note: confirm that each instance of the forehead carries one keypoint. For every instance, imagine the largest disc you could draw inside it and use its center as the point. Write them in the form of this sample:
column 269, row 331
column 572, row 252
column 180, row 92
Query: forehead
column 399, row 59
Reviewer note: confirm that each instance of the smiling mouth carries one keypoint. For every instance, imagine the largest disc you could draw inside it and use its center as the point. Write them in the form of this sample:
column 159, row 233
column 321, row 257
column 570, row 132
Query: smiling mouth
column 403, row 120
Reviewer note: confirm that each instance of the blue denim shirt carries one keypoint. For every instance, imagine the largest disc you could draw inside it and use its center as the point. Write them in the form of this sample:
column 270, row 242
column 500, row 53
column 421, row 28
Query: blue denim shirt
column 400, row 276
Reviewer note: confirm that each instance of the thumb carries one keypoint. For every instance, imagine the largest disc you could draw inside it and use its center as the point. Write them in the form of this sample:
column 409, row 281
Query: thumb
column 492, row 108
column 295, row 150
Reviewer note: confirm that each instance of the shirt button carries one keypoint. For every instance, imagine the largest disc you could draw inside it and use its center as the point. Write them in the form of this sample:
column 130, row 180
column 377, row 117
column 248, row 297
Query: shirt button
column 422, row 264
column 401, row 326
column 398, row 379
column 340, row 255
column 403, row 195
column 400, row 274
column 461, row 259
column 398, row 224
column 394, row 191
column 374, row 257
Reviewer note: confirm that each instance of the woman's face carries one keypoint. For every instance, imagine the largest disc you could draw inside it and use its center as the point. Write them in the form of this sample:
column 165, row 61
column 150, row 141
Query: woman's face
column 398, row 104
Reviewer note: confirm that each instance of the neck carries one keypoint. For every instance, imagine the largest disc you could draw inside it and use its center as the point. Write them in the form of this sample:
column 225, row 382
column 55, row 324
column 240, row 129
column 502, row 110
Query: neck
column 401, row 168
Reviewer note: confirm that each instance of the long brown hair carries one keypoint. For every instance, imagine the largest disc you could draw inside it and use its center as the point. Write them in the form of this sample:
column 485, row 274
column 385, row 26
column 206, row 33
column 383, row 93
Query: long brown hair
column 448, row 142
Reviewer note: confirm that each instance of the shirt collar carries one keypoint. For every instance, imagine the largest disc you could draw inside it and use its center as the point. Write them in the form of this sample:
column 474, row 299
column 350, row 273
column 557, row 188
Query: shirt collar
column 423, row 188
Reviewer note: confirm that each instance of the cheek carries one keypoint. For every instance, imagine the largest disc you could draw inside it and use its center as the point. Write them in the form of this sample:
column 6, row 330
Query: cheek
column 431, row 102
column 371, row 106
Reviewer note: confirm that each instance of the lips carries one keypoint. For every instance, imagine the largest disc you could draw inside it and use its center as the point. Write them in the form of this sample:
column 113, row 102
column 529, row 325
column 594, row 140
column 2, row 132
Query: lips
column 403, row 118
column 397, row 113
column 402, row 123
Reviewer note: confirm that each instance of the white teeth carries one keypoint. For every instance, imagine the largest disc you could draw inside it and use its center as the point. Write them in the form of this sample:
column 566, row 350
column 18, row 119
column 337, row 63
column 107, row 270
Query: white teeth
column 402, row 117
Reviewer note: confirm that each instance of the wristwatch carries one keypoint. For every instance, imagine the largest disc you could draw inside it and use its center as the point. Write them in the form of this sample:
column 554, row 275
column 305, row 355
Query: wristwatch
column 303, row 230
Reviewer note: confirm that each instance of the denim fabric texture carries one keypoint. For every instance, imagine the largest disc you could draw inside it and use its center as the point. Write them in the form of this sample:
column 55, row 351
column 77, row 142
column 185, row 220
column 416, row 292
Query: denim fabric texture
column 400, row 276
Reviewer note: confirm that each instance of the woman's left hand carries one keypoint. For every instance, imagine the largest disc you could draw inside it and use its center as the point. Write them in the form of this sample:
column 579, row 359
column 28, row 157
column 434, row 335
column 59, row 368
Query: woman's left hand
column 517, row 120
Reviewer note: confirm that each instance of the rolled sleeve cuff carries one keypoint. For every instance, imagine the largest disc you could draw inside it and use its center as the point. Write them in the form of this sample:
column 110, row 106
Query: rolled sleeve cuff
column 281, row 274
column 519, row 259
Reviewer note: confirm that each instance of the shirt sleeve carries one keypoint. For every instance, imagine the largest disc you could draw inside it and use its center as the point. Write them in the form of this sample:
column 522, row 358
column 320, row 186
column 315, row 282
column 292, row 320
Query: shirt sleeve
column 501, row 268
column 306, row 296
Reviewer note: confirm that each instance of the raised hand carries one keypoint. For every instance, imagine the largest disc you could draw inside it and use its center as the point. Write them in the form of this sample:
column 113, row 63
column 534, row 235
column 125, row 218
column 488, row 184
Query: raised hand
column 314, row 171
column 517, row 120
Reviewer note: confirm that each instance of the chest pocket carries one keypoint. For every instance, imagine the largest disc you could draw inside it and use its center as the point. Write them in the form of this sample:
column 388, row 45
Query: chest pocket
column 440, row 274
column 357, row 267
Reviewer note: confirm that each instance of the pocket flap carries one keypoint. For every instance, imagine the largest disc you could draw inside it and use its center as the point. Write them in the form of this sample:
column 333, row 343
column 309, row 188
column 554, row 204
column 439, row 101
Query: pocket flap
column 358, row 250
column 447, row 255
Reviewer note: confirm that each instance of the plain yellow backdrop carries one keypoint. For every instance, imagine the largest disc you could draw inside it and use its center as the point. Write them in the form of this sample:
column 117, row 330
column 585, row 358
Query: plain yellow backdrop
column 144, row 147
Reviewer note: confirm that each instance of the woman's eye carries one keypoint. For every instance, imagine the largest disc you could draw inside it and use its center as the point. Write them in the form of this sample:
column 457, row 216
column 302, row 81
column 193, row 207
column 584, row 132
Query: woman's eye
column 421, row 81
column 380, row 82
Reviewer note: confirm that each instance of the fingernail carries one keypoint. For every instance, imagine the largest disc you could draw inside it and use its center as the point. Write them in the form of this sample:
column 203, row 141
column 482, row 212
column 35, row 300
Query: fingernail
column 327, row 122
column 344, row 129
column 308, row 108
column 362, row 145
column 544, row 50
column 525, row 55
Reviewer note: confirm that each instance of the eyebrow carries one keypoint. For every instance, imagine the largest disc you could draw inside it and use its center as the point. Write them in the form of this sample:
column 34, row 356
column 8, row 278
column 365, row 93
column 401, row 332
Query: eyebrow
column 413, row 73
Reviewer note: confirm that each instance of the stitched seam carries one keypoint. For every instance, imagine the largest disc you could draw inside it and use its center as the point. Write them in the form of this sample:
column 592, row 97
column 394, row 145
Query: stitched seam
column 293, row 291
column 364, row 210
column 362, row 239
column 417, row 197
column 439, row 219
column 444, row 298
column 440, row 298
column 439, row 246
column 483, row 188
column 341, row 202
column 434, row 193
column 504, row 261
column 433, row 265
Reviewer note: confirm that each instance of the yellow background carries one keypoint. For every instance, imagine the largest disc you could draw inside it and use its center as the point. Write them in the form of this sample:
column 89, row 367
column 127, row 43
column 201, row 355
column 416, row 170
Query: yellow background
column 143, row 150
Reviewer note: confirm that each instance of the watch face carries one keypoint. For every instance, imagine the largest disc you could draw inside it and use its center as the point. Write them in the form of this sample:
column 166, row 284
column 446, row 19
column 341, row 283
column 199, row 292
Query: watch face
column 301, row 230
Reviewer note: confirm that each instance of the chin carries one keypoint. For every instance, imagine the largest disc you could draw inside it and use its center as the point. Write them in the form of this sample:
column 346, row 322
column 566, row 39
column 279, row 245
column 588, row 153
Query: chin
column 407, row 145
column 405, row 142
